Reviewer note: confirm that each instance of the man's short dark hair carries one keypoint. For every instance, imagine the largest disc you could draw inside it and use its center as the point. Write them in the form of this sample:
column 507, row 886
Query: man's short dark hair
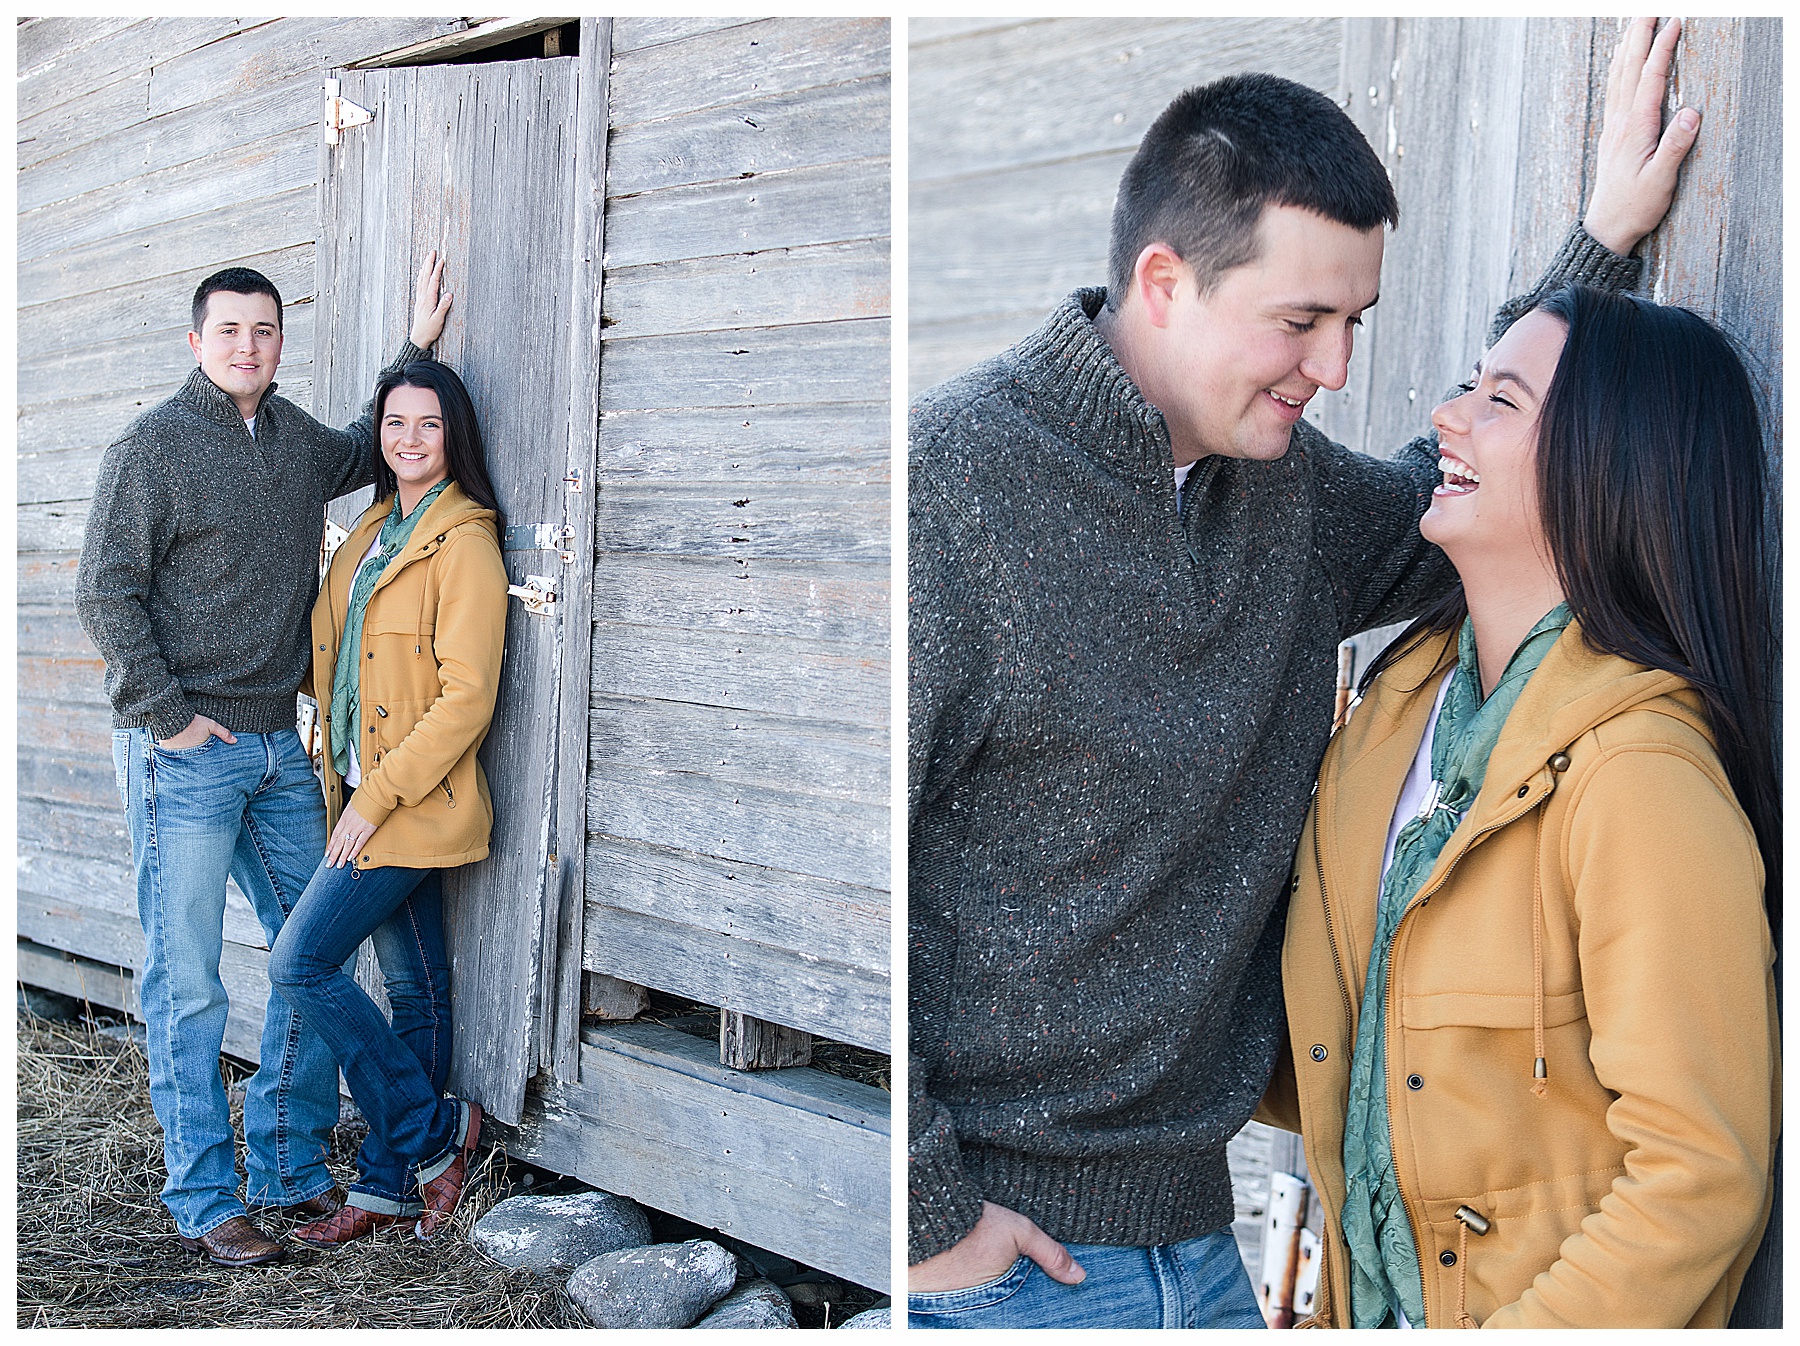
column 1221, row 152
column 238, row 280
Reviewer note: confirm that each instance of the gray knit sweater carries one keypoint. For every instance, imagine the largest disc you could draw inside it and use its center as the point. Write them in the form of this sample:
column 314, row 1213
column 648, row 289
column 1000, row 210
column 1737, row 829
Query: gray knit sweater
column 201, row 559
column 1116, row 714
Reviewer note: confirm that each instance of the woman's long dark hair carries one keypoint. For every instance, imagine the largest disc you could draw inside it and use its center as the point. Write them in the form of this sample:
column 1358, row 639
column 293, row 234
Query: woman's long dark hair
column 466, row 458
column 1653, row 488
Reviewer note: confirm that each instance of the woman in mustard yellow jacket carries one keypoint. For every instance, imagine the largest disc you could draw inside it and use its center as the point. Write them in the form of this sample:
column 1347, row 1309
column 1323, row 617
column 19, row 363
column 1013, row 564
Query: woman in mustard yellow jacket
column 1528, row 959
column 407, row 637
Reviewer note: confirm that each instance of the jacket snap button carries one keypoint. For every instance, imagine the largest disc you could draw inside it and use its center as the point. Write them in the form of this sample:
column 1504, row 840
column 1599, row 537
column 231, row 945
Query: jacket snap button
column 1415, row 1082
column 1523, row 789
column 1294, row 887
column 371, row 729
column 1560, row 762
column 1447, row 1257
column 321, row 647
column 1318, row 1052
column 372, row 655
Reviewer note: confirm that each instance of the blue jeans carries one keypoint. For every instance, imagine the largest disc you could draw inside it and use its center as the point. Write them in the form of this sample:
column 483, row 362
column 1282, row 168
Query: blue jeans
column 250, row 809
column 396, row 1072
column 1197, row 1283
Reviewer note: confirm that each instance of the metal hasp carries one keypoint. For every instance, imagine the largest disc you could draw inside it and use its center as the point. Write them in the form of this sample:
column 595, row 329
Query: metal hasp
column 340, row 113
column 537, row 593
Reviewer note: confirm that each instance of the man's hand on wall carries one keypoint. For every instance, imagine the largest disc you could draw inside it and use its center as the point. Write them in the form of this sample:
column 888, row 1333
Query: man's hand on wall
column 1634, row 179
column 1000, row 1238
column 429, row 310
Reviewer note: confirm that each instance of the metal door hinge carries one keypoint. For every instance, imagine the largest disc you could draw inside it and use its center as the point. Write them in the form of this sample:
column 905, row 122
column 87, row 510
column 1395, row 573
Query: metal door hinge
column 541, row 537
column 573, row 482
column 537, row 593
column 340, row 113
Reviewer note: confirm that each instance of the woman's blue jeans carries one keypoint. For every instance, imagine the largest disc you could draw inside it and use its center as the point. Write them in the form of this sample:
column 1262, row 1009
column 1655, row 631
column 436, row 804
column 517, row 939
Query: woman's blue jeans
column 396, row 1071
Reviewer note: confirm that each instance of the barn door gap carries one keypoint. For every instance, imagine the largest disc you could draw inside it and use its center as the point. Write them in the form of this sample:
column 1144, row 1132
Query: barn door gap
column 483, row 42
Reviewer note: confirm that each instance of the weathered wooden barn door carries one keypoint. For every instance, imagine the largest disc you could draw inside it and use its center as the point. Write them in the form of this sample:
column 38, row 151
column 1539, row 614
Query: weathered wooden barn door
column 488, row 163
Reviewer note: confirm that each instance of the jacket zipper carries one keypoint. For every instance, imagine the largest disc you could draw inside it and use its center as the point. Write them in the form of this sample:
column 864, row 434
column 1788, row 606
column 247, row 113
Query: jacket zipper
column 447, row 793
column 1387, row 994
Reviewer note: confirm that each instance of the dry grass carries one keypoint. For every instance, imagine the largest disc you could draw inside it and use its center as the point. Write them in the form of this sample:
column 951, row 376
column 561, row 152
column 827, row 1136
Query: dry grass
column 97, row 1249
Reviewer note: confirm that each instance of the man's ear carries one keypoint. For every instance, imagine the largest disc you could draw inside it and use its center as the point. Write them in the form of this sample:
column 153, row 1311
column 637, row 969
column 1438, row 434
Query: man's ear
column 194, row 345
column 1156, row 280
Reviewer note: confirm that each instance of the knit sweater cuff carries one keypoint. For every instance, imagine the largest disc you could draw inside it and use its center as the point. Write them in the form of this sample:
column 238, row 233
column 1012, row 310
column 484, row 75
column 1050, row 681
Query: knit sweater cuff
column 168, row 715
column 942, row 1203
column 1582, row 258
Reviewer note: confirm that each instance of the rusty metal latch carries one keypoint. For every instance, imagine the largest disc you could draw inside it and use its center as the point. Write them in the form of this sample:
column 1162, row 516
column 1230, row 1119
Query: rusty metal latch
column 540, row 537
column 340, row 113
column 537, row 593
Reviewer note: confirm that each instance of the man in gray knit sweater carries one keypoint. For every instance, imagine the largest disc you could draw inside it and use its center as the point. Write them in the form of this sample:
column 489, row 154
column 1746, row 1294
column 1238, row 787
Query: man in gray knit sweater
column 197, row 579
column 1131, row 561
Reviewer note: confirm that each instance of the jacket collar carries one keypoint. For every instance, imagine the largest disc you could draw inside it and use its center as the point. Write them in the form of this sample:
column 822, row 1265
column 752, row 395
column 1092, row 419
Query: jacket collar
column 1069, row 363
column 1574, row 690
column 213, row 402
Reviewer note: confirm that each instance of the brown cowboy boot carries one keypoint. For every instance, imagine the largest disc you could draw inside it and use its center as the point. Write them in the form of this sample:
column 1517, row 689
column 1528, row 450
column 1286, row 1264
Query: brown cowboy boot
column 313, row 1208
column 446, row 1189
column 236, row 1243
column 344, row 1225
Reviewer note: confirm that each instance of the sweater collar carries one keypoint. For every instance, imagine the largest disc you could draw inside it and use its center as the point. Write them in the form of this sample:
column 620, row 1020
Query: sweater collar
column 1068, row 361
column 214, row 402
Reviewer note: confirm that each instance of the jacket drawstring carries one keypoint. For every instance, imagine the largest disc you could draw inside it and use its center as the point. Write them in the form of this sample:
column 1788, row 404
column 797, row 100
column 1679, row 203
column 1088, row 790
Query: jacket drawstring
column 1462, row 1276
column 1467, row 1218
column 1540, row 1071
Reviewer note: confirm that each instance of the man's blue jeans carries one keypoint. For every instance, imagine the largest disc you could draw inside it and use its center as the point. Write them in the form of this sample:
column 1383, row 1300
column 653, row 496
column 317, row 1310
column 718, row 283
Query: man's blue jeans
column 1197, row 1283
column 250, row 809
column 397, row 1072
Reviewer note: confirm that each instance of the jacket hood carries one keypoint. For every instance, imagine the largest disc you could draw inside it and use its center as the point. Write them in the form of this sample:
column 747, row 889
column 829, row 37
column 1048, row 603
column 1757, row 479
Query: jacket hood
column 450, row 510
column 1576, row 689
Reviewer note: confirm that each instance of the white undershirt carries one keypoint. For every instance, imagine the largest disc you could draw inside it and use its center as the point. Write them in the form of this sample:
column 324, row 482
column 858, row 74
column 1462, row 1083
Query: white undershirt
column 250, row 425
column 353, row 777
column 1418, row 780
column 1181, row 480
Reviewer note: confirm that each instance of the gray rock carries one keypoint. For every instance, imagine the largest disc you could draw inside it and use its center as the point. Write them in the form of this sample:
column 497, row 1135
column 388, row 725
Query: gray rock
column 663, row 1285
column 132, row 1032
column 755, row 1303
column 882, row 1317
column 559, row 1233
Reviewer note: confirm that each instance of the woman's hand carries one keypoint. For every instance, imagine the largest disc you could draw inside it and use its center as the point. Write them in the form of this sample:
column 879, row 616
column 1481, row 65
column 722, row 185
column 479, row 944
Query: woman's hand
column 1634, row 180
column 428, row 309
column 347, row 838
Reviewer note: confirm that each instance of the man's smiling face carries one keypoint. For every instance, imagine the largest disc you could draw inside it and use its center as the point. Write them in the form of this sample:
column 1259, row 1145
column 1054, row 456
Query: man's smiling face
column 1238, row 364
column 239, row 345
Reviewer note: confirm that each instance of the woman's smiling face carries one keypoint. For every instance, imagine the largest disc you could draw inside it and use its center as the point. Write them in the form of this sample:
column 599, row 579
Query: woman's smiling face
column 412, row 438
column 1486, row 511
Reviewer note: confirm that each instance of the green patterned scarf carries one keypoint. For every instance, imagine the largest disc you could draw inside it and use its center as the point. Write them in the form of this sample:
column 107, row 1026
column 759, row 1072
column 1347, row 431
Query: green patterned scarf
column 1384, row 1262
column 346, row 682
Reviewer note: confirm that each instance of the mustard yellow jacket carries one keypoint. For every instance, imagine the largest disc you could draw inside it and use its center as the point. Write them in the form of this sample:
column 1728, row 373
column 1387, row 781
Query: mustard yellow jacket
column 1599, row 907
column 430, row 662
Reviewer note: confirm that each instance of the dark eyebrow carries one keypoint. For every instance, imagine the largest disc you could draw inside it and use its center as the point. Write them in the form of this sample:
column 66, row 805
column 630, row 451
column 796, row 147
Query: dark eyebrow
column 1507, row 376
column 1327, row 308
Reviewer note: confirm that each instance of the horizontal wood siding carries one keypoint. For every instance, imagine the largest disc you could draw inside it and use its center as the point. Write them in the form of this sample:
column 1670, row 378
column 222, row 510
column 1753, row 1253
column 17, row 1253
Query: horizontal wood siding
column 739, row 747
column 790, row 1160
column 1017, row 134
column 152, row 152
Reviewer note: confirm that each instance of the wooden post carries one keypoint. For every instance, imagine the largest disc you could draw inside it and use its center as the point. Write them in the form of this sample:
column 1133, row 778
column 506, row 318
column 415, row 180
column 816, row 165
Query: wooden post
column 609, row 998
column 747, row 1043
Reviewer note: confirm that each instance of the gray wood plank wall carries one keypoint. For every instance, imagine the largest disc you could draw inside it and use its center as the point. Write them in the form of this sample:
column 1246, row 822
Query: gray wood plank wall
column 737, row 808
column 151, row 153
column 1488, row 127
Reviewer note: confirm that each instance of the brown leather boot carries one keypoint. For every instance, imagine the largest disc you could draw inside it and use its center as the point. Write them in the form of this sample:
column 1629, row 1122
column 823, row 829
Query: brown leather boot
column 344, row 1225
column 313, row 1208
column 444, row 1191
column 236, row 1243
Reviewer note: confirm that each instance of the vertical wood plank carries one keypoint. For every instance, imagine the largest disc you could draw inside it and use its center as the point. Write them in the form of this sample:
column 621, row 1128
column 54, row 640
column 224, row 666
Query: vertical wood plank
column 749, row 1043
column 562, row 1034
